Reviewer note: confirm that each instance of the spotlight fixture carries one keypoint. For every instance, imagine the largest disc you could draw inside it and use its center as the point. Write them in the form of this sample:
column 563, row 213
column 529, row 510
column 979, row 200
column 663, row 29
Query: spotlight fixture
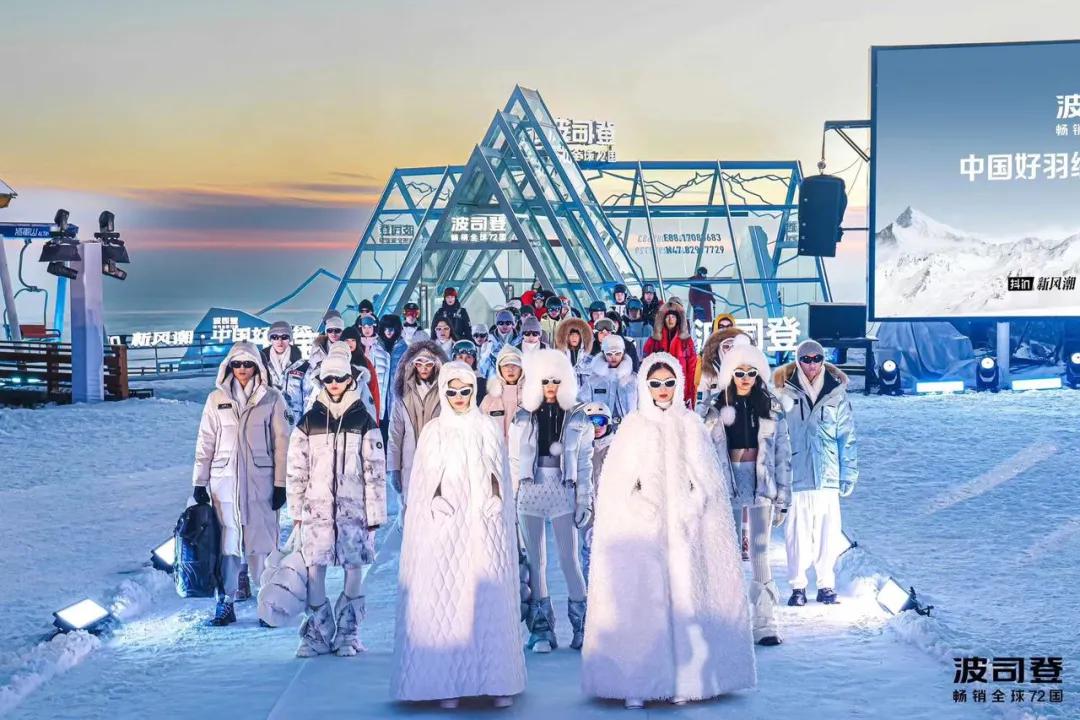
column 851, row 544
column 889, row 379
column 163, row 557
column 61, row 247
column 1072, row 370
column 112, row 247
column 987, row 376
column 895, row 599
column 84, row 615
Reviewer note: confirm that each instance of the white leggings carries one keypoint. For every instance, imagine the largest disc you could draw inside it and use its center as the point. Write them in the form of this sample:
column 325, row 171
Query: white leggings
column 230, row 572
column 316, row 584
column 566, row 538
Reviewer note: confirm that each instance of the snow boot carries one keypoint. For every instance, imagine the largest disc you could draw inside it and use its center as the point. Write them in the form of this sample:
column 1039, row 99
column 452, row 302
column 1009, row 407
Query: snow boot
column 503, row 701
column 243, row 585
column 316, row 632
column 575, row 610
column 634, row 704
column 449, row 703
column 826, row 596
column 541, row 627
column 224, row 613
column 350, row 613
column 797, row 599
column 764, row 597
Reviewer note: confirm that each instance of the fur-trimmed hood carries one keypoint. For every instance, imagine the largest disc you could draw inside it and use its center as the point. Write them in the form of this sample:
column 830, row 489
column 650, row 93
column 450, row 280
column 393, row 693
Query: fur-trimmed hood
column 598, row 366
column 407, row 373
column 710, row 354
column 658, row 323
column 562, row 333
column 787, row 372
column 542, row 364
column 743, row 352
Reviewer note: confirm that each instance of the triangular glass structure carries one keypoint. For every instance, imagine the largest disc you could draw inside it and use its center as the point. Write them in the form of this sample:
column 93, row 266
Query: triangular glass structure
column 520, row 191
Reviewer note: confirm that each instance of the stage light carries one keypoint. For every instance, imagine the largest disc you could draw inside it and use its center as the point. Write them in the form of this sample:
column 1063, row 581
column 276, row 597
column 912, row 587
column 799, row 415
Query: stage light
column 112, row 247
column 895, row 599
column 1072, row 370
column 61, row 247
column 987, row 376
column 84, row 615
column 889, row 379
column 59, row 269
column 940, row 386
column 163, row 557
column 849, row 541
column 1050, row 383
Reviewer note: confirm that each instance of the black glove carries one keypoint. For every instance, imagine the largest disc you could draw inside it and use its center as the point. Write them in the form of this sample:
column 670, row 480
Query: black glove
column 201, row 496
column 278, row 501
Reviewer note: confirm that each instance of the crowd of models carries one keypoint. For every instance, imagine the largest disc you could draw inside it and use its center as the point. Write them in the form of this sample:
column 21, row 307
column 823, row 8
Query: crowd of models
column 658, row 471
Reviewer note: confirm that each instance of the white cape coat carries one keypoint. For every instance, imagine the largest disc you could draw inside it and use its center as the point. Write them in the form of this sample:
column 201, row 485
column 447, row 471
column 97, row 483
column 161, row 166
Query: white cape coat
column 668, row 614
column 458, row 617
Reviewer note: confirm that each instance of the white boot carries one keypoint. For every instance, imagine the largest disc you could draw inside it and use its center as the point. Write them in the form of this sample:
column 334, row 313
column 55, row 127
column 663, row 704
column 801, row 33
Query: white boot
column 350, row 613
column 449, row 703
column 764, row 597
column 504, row 701
column 316, row 632
column 634, row 704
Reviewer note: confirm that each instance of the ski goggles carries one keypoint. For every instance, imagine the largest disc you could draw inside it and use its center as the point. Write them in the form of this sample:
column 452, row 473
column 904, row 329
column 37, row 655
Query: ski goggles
column 337, row 379
column 669, row 383
column 599, row 421
column 280, row 337
column 422, row 363
column 551, row 381
column 246, row 364
column 812, row 359
column 463, row 392
column 745, row 374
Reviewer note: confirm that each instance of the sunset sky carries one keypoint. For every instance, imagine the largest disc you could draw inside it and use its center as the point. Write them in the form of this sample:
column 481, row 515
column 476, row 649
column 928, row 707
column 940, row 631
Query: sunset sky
column 257, row 135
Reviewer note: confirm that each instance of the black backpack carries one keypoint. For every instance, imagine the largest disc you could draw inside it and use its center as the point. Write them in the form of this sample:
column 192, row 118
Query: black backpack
column 198, row 552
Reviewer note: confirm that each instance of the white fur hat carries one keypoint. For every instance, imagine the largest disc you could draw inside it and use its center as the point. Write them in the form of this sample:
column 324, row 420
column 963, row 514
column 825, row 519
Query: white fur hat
column 544, row 364
column 743, row 352
column 338, row 361
column 613, row 343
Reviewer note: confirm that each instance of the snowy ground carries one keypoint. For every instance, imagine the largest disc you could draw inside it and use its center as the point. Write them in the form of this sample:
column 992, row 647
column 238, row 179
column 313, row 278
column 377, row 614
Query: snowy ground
column 969, row 498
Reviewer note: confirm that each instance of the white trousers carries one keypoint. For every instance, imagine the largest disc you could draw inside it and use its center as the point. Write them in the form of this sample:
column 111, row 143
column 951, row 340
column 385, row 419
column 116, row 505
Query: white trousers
column 813, row 537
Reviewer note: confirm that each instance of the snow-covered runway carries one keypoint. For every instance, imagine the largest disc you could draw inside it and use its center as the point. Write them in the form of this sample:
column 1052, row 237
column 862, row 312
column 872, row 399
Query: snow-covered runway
column 971, row 499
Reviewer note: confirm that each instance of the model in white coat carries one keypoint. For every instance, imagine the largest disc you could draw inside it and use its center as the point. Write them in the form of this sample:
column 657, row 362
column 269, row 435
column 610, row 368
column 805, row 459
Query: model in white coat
column 240, row 457
column 668, row 617
column 457, row 632
column 551, row 463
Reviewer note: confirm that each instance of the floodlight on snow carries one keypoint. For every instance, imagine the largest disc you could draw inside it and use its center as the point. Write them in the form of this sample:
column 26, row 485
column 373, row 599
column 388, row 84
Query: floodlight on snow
column 939, row 386
column 889, row 379
column 849, row 542
column 895, row 599
column 987, row 376
column 1046, row 383
column 163, row 557
column 84, row 615
column 1072, row 370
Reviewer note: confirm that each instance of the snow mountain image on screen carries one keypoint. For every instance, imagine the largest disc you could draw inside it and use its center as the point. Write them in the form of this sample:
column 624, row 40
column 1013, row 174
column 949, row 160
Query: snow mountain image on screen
column 925, row 268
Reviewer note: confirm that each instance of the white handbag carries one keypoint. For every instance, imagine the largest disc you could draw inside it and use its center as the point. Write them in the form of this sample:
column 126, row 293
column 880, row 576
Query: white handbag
column 283, row 587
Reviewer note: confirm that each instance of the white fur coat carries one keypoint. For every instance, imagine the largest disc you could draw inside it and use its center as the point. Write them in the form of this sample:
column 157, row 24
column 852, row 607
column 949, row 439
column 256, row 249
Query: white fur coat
column 668, row 614
column 458, row 614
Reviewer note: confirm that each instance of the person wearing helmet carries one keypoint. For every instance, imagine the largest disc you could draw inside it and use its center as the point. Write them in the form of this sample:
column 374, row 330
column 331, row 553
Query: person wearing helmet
column 466, row 351
column 637, row 328
column 411, row 329
column 596, row 312
column 553, row 310
column 603, row 432
column 650, row 303
column 619, row 297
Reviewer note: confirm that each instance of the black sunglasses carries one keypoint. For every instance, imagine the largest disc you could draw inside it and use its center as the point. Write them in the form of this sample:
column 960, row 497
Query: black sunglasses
column 811, row 359
column 333, row 331
column 669, row 383
column 246, row 364
column 279, row 337
column 551, row 381
column 463, row 392
column 337, row 378
column 531, row 333
column 505, row 324
column 480, row 335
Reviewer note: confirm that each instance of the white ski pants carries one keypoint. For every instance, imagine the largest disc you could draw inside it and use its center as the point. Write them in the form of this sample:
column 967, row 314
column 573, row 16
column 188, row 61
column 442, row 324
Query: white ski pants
column 813, row 537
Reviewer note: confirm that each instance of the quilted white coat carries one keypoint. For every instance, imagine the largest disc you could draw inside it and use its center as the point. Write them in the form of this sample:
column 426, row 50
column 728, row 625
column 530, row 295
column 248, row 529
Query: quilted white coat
column 458, row 616
column 668, row 614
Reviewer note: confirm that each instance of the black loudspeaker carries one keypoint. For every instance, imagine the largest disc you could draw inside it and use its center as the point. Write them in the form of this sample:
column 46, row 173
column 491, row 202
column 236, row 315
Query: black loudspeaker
column 836, row 321
column 822, row 202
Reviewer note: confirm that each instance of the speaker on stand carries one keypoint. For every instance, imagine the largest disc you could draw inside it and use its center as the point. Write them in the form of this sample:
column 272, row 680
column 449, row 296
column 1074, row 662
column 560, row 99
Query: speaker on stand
column 822, row 202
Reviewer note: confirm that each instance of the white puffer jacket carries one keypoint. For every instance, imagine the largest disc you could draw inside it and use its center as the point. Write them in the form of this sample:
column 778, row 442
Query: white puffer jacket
column 240, row 455
column 337, row 482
